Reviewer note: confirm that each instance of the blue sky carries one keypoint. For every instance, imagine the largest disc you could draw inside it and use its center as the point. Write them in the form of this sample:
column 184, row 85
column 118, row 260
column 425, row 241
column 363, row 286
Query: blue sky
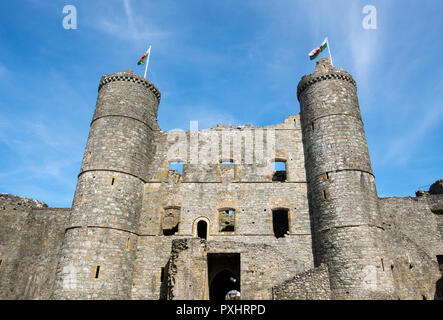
column 216, row 62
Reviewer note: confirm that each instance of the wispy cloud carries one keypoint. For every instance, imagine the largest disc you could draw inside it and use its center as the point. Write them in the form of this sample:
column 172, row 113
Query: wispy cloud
column 128, row 26
column 403, row 147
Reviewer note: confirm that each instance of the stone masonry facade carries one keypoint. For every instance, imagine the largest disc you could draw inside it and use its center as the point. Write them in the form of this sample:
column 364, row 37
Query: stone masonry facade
column 288, row 211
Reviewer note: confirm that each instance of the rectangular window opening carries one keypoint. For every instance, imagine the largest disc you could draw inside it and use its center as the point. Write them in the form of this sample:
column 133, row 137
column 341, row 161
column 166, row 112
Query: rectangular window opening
column 227, row 220
column 280, row 223
column 112, row 181
column 280, row 173
column 227, row 163
column 177, row 166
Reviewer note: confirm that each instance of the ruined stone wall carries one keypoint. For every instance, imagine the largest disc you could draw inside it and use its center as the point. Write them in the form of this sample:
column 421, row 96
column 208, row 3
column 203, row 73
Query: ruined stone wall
column 30, row 241
column 206, row 189
column 414, row 243
column 262, row 266
column 310, row 285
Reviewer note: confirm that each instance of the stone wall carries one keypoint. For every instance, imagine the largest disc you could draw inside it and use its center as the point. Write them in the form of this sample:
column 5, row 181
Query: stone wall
column 310, row 285
column 414, row 243
column 30, row 241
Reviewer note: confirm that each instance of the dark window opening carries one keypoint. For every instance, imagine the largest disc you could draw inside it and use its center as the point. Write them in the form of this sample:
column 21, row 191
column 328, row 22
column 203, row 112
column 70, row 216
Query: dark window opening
column 177, row 166
column 324, row 194
column 382, row 265
column 312, row 126
column 439, row 284
column 226, row 218
column 171, row 220
column 112, row 182
column 97, row 272
column 279, row 168
column 164, row 282
column 202, row 229
column 223, row 275
column 437, row 211
column 162, row 275
column 280, row 223
column 227, row 163
column 170, row 232
column 1, row 261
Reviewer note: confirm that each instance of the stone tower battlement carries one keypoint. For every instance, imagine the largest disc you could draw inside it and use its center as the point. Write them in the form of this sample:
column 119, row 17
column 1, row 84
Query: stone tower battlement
column 129, row 75
column 323, row 71
column 342, row 193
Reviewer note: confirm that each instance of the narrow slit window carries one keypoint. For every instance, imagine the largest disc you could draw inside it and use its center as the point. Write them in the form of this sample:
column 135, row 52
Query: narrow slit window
column 325, row 195
column 162, row 275
column 97, row 272
column 312, row 126
column 1, row 261
column 112, row 181
column 177, row 166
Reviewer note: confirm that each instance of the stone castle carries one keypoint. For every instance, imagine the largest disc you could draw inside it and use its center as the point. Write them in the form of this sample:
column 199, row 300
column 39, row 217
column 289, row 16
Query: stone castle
column 288, row 211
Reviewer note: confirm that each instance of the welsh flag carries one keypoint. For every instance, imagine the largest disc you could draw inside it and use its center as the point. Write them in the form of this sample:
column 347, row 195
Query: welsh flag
column 314, row 53
column 144, row 57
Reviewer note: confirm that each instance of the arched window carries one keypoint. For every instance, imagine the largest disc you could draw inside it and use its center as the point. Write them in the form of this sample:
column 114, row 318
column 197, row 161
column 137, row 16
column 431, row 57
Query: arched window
column 202, row 229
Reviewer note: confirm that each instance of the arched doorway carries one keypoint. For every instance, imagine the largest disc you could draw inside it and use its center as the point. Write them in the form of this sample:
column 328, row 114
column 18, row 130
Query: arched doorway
column 223, row 274
column 202, row 229
column 222, row 283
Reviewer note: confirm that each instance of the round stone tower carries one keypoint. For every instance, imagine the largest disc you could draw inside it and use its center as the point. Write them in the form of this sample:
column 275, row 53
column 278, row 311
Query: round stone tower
column 348, row 233
column 100, row 240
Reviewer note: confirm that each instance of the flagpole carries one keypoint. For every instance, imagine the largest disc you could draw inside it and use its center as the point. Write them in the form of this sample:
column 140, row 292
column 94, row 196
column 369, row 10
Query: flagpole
column 147, row 62
column 329, row 50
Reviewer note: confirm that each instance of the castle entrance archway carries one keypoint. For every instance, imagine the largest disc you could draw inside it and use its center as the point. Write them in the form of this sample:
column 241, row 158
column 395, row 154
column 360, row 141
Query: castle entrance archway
column 223, row 274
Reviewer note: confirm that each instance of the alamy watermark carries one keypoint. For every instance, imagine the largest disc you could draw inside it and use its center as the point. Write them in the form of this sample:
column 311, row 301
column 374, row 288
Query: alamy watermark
column 370, row 20
column 70, row 20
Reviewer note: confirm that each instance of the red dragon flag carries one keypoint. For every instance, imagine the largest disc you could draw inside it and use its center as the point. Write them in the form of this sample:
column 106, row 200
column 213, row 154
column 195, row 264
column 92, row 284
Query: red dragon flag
column 145, row 59
column 314, row 53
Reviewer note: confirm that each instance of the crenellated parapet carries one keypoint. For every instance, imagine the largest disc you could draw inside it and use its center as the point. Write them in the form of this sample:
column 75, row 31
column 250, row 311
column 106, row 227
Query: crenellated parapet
column 319, row 76
column 129, row 76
